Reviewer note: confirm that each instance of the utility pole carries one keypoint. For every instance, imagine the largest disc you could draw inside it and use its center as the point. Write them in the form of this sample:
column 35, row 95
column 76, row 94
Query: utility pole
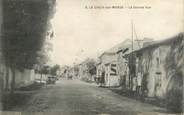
column 131, row 58
column 138, row 41
column 132, row 35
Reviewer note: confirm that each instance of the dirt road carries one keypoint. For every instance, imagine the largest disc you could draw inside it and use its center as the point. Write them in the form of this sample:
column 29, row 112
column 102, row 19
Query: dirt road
column 73, row 97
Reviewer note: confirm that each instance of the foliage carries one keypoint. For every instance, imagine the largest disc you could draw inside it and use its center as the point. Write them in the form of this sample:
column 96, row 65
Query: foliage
column 54, row 69
column 174, row 95
column 91, row 66
column 76, row 70
column 45, row 70
column 24, row 30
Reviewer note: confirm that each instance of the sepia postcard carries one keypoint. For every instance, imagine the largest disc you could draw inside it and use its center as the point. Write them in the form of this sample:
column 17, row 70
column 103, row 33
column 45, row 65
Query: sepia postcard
column 91, row 57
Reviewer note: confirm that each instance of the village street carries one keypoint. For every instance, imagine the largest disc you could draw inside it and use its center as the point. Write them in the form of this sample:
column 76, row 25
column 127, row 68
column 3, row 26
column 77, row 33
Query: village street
column 74, row 97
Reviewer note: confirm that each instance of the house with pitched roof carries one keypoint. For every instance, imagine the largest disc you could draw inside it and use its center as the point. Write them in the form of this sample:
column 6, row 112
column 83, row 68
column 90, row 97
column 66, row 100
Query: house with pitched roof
column 160, row 68
column 109, row 64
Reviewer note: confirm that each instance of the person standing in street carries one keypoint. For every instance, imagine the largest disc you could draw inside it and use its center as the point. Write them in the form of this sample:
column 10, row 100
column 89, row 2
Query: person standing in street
column 139, row 82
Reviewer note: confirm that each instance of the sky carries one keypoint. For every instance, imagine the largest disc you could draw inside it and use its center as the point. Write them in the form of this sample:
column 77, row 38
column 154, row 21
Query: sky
column 81, row 33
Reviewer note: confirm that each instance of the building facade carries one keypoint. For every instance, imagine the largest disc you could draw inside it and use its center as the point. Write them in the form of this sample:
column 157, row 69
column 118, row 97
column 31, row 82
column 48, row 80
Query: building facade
column 158, row 68
column 127, row 47
column 107, row 69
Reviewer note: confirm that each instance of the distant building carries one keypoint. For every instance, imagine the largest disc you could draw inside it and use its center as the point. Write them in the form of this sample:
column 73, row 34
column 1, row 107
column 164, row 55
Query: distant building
column 111, row 66
column 107, row 69
column 64, row 71
column 87, row 70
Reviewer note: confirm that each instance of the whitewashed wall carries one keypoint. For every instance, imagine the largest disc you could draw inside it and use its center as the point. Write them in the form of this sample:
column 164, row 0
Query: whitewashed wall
column 24, row 78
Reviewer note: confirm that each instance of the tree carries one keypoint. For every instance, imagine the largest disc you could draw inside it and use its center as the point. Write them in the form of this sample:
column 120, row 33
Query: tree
column 76, row 70
column 91, row 66
column 24, row 31
column 45, row 69
column 54, row 69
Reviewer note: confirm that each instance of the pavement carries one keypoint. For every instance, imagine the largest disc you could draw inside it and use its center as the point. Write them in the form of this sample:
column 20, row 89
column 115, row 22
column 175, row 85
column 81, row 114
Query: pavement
column 74, row 97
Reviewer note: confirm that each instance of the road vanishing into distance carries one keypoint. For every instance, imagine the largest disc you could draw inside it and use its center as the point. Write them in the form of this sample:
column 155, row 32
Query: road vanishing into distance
column 74, row 97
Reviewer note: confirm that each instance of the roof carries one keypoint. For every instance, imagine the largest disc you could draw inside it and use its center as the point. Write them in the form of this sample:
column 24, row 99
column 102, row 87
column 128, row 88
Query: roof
column 119, row 46
column 174, row 39
column 128, row 46
column 112, row 51
column 107, row 53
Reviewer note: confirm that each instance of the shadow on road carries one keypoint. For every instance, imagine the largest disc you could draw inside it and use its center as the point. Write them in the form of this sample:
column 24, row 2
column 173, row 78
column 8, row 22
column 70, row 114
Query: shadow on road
column 152, row 101
column 20, row 96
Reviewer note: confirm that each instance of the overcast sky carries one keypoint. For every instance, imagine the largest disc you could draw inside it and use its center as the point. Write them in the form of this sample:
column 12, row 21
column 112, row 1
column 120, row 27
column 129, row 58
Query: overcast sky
column 82, row 33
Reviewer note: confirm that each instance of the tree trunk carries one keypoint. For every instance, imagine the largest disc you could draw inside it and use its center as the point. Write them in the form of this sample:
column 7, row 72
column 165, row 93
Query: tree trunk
column 13, row 80
column 7, row 78
column 41, row 78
